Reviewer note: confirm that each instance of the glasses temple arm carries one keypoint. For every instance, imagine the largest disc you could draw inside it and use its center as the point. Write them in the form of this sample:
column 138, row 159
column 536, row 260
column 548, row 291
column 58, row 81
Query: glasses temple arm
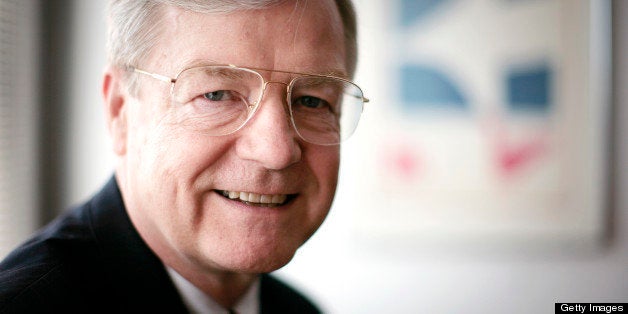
column 153, row 75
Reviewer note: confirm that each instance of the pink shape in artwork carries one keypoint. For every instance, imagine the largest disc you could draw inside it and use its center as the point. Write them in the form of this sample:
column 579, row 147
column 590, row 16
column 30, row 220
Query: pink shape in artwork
column 513, row 157
column 402, row 161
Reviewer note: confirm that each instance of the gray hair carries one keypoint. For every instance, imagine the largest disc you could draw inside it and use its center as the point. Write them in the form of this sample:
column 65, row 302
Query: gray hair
column 134, row 26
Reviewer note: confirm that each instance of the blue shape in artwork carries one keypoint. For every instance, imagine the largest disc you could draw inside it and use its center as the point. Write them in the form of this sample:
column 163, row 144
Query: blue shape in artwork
column 413, row 11
column 423, row 86
column 529, row 89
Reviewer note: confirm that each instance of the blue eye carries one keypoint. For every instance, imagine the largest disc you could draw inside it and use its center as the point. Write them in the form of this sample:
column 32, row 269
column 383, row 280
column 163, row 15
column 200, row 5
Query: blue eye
column 219, row 95
column 311, row 102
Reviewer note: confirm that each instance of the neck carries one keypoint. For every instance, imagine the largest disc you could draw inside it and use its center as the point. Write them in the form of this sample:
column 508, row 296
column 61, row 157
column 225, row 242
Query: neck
column 224, row 287
column 192, row 298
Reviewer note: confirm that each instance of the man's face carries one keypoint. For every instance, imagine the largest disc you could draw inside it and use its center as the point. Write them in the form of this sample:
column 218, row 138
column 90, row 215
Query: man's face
column 172, row 177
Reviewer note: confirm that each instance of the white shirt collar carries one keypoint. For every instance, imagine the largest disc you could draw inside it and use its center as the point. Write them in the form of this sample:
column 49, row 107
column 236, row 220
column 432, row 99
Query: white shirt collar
column 198, row 302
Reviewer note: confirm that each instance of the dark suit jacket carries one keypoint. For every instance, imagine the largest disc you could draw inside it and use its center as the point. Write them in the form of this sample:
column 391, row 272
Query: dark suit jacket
column 93, row 260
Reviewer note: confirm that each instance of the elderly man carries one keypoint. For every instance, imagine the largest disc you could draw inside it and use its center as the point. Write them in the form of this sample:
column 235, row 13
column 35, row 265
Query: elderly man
column 226, row 119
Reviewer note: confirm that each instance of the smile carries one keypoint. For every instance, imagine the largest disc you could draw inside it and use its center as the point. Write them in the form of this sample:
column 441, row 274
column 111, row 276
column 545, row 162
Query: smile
column 254, row 199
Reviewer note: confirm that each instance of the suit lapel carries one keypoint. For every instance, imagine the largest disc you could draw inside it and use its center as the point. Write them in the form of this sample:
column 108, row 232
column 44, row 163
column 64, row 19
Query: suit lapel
column 140, row 277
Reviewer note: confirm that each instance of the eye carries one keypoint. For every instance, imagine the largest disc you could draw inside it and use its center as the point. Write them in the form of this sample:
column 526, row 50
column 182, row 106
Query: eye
column 311, row 102
column 220, row 95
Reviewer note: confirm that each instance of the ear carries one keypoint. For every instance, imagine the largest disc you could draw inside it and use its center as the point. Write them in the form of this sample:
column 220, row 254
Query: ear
column 115, row 98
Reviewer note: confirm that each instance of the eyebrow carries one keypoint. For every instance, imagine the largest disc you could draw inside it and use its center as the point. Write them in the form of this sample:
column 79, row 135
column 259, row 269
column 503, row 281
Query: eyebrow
column 207, row 62
column 336, row 73
column 225, row 73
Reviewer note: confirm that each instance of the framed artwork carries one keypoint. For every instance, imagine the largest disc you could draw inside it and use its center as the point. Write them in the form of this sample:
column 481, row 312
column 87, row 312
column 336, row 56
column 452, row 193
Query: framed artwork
column 487, row 123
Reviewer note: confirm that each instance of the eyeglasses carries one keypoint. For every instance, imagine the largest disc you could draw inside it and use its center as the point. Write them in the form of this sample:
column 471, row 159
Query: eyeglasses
column 220, row 99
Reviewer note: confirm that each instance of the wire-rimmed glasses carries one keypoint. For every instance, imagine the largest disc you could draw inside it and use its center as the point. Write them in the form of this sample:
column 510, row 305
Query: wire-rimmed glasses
column 221, row 99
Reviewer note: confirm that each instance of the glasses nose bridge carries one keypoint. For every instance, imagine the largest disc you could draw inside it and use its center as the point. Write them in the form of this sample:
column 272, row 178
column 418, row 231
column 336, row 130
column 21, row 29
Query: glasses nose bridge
column 266, row 83
column 285, row 103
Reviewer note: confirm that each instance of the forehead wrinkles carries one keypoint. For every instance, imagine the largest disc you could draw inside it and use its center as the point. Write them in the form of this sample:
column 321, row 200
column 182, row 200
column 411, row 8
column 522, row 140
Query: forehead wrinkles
column 307, row 28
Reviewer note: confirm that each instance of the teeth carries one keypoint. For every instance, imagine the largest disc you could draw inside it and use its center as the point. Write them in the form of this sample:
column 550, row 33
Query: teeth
column 278, row 199
column 256, row 198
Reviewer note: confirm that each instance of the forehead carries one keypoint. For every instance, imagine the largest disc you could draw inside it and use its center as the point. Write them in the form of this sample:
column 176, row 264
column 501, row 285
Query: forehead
column 300, row 36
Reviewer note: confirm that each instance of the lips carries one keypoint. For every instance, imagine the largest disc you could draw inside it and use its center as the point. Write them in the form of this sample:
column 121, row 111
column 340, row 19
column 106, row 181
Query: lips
column 254, row 199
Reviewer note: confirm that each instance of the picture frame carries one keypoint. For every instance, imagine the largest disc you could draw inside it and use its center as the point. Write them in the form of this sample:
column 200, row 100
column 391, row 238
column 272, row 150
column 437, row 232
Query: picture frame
column 487, row 127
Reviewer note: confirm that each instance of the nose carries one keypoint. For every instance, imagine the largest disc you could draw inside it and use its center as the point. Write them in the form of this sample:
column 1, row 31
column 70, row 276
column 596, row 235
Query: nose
column 269, row 138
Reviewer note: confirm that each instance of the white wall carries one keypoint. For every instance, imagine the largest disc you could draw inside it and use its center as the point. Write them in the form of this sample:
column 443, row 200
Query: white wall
column 345, row 274
column 88, row 157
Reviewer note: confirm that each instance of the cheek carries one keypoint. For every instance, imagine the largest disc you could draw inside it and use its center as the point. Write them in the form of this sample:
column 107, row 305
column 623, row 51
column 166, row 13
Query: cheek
column 156, row 155
column 165, row 149
column 327, row 161
column 168, row 164
column 324, row 163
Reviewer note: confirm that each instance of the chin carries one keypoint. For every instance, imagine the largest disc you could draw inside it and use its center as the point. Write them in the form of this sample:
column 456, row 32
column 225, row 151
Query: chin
column 264, row 267
column 251, row 260
column 267, row 261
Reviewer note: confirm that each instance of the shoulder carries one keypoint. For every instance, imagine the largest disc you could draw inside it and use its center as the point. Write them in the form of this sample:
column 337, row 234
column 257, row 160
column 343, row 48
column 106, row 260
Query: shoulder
column 91, row 255
column 277, row 297
column 39, row 271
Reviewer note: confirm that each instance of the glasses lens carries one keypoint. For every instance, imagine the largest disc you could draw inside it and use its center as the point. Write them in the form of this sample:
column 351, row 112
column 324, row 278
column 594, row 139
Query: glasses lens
column 325, row 110
column 216, row 99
